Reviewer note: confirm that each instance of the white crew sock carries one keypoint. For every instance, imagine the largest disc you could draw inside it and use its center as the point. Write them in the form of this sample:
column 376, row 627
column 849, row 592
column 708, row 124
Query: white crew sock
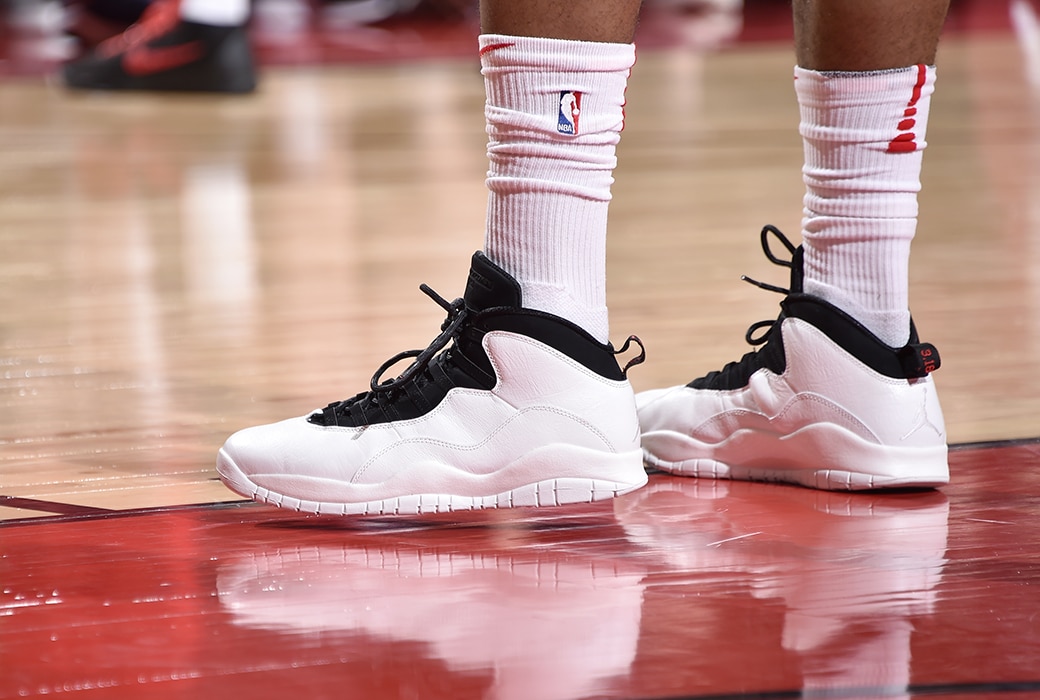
column 555, row 109
column 218, row 13
column 863, row 135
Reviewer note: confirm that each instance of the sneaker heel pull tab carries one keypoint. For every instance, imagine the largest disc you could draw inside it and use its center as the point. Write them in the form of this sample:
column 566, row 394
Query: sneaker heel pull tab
column 638, row 359
column 919, row 359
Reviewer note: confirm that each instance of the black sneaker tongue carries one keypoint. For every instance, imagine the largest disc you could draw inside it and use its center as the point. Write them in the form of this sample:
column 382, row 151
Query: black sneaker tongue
column 489, row 286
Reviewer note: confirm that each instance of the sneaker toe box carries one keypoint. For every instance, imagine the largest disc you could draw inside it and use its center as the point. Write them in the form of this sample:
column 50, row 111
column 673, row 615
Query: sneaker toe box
column 270, row 456
column 669, row 409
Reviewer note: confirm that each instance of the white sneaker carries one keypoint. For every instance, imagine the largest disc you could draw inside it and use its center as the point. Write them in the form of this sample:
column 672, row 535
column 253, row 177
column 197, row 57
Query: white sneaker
column 824, row 403
column 521, row 409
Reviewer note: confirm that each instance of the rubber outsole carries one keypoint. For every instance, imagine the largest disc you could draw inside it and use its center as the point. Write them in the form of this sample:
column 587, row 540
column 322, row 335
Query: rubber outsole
column 547, row 492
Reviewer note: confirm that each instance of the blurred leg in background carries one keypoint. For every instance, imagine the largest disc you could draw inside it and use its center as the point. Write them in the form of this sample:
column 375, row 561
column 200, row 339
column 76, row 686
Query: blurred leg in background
column 176, row 45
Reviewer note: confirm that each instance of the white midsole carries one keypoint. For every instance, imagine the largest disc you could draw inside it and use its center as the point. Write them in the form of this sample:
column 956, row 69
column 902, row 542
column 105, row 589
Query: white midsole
column 822, row 455
column 568, row 474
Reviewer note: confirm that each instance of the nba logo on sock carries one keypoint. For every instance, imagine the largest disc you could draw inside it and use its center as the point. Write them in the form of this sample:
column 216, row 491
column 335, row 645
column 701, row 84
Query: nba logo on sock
column 570, row 109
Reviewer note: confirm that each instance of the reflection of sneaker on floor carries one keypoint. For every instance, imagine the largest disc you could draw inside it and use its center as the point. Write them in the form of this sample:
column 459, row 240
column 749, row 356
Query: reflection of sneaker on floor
column 834, row 554
column 540, row 622
column 852, row 570
column 520, row 408
column 823, row 403
column 165, row 53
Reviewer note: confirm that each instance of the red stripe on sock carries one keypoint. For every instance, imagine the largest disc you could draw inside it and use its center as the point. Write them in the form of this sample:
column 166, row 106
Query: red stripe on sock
column 495, row 47
column 906, row 141
column 902, row 147
column 922, row 75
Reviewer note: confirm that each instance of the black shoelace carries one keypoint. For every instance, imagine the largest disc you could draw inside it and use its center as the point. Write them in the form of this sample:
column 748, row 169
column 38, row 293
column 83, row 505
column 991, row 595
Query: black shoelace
column 789, row 264
column 735, row 374
column 381, row 397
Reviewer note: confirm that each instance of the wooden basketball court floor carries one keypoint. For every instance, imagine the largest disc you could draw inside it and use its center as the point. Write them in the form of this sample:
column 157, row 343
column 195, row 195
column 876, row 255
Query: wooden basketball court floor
column 176, row 268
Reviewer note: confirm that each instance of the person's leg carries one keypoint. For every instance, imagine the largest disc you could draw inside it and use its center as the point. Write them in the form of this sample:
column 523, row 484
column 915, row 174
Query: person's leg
column 611, row 21
column 555, row 73
column 839, row 395
column 178, row 45
column 864, row 81
column 520, row 400
column 851, row 36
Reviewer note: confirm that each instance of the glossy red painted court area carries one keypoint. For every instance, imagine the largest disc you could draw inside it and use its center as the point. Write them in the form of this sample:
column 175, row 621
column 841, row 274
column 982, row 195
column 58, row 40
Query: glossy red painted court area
column 683, row 589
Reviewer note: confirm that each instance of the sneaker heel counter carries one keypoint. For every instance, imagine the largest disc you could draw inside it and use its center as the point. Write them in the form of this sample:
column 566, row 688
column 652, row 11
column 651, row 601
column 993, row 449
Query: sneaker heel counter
column 625, row 432
column 924, row 425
